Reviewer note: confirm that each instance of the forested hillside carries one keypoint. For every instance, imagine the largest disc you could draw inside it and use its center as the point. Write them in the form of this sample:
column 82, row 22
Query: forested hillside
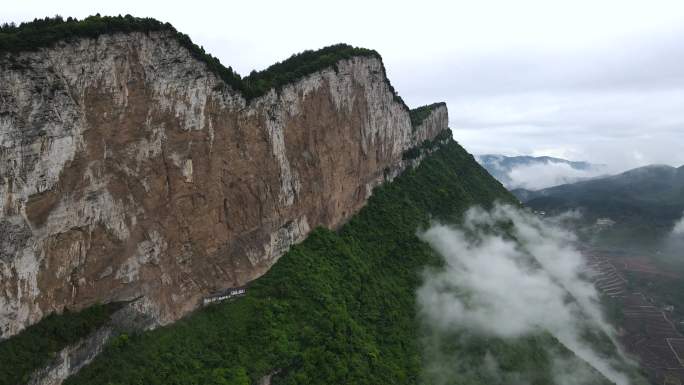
column 644, row 203
column 338, row 308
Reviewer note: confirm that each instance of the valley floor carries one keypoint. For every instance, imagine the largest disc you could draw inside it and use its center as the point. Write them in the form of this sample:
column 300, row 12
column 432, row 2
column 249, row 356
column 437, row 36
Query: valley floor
column 646, row 325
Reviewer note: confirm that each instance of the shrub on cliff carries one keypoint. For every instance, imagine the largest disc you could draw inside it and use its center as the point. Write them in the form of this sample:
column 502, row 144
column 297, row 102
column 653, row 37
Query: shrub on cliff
column 421, row 113
column 34, row 346
column 45, row 32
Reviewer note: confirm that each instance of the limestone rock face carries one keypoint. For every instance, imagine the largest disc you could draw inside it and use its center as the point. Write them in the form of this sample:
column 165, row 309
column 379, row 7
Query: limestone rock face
column 129, row 171
column 71, row 359
column 433, row 124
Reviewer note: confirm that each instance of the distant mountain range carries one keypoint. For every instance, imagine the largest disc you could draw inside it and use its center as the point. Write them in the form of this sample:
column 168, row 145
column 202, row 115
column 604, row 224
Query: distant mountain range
column 533, row 173
column 644, row 202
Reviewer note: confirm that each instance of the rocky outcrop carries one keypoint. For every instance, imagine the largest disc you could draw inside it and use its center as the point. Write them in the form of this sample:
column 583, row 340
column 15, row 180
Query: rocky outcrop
column 128, row 170
column 433, row 124
column 71, row 359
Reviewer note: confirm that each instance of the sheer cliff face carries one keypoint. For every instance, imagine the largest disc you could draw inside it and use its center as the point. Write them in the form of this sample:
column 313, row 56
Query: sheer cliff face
column 435, row 123
column 129, row 171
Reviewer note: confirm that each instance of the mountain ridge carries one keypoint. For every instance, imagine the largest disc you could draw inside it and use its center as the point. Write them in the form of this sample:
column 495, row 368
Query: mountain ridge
column 131, row 175
column 45, row 33
column 645, row 202
column 635, row 175
column 128, row 143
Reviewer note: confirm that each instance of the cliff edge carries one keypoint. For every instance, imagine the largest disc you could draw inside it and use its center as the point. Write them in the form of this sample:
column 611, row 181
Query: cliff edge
column 132, row 171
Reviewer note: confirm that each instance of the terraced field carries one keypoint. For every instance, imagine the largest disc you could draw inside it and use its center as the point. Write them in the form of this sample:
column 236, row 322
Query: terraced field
column 646, row 329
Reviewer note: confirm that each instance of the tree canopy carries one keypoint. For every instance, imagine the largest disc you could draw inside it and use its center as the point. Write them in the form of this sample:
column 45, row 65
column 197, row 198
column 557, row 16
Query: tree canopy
column 421, row 113
column 41, row 33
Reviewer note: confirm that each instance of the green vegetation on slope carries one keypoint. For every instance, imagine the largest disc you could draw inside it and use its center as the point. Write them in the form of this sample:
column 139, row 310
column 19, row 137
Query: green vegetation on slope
column 338, row 308
column 644, row 203
column 305, row 63
column 33, row 348
column 463, row 359
column 46, row 32
column 421, row 113
column 426, row 146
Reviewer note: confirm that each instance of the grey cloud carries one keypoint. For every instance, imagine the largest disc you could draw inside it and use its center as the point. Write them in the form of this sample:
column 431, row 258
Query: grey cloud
column 622, row 130
column 598, row 81
column 642, row 62
column 618, row 102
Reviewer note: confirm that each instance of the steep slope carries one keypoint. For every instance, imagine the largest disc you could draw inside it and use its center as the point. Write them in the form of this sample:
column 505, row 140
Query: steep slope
column 644, row 202
column 131, row 170
column 339, row 308
column 351, row 292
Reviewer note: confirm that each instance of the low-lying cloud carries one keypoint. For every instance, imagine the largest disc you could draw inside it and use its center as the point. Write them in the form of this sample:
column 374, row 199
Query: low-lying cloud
column 535, row 173
column 493, row 285
column 678, row 229
column 541, row 175
column 673, row 244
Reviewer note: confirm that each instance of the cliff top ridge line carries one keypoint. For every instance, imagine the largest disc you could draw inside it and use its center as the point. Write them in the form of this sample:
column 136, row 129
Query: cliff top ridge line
column 42, row 33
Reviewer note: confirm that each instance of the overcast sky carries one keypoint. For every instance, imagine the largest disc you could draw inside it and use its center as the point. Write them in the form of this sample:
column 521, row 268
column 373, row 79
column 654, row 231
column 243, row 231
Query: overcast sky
column 599, row 80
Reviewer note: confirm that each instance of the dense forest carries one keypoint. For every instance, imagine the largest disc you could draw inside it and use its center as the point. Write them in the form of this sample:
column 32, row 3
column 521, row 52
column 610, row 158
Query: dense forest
column 46, row 32
column 36, row 345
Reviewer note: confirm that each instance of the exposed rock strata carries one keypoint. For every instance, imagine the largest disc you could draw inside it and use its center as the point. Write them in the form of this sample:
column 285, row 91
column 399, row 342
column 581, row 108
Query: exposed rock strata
column 433, row 124
column 71, row 359
column 128, row 170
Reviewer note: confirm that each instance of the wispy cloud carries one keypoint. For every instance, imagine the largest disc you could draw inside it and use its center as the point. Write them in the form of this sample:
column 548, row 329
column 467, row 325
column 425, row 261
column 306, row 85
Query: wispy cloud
column 541, row 175
column 678, row 229
column 527, row 282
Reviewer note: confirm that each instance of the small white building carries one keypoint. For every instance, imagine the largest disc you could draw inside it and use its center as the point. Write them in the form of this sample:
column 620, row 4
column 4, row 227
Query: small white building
column 224, row 295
